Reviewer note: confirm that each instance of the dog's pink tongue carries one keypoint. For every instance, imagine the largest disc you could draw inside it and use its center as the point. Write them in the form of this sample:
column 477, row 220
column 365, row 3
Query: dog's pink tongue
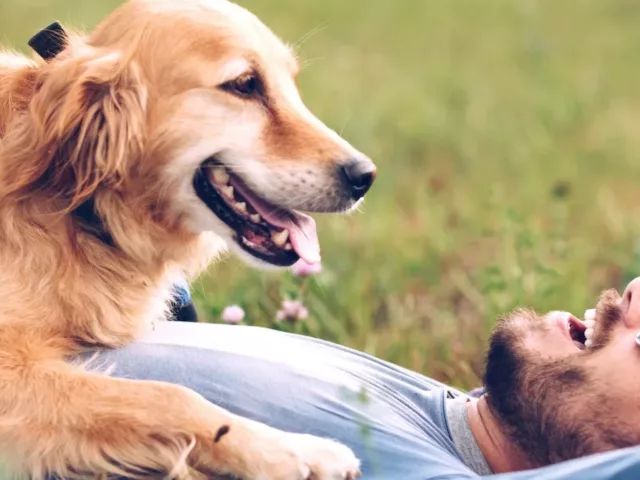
column 302, row 234
column 302, row 228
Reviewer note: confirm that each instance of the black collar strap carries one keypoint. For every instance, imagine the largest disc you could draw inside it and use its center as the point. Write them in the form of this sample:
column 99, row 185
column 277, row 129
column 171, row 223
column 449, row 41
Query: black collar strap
column 49, row 41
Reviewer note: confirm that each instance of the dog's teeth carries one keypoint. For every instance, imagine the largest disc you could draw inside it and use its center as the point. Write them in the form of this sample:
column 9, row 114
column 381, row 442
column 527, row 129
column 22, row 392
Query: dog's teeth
column 241, row 206
column 228, row 191
column 280, row 238
column 588, row 343
column 590, row 314
column 255, row 218
column 248, row 242
column 287, row 246
column 220, row 176
column 589, row 323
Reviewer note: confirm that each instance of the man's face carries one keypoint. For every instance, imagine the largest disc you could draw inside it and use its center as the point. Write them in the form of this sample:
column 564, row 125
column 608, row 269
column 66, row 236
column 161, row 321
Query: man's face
column 557, row 400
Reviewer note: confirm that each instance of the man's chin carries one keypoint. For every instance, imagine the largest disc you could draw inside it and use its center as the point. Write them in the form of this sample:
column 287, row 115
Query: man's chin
column 504, row 362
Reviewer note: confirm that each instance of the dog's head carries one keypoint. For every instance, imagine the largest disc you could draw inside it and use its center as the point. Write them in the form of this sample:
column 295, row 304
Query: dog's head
column 186, row 114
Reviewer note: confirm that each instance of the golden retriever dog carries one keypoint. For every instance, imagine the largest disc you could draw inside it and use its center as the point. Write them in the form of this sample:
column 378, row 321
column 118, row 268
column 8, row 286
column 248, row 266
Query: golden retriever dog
column 133, row 158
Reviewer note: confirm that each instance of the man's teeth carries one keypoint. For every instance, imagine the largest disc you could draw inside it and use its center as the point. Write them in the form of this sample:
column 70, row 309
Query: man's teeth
column 590, row 323
column 280, row 238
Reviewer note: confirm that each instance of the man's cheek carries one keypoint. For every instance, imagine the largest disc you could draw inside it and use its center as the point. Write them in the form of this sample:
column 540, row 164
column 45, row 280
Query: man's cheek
column 543, row 343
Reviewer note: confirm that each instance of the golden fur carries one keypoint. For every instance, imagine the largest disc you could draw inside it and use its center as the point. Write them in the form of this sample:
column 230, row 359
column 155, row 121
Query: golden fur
column 122, row 117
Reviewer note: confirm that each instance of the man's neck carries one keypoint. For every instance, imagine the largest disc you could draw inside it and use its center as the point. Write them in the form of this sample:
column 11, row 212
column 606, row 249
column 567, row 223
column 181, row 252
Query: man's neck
column 501, row 454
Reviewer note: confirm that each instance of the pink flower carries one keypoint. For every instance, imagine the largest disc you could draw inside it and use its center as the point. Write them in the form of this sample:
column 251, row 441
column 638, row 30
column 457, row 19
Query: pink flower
column 233, row 314
column 292, row 311
column 304, row 269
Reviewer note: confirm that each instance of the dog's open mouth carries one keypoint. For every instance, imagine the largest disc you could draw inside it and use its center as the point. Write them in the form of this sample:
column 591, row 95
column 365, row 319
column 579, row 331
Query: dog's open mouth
column 272, row 234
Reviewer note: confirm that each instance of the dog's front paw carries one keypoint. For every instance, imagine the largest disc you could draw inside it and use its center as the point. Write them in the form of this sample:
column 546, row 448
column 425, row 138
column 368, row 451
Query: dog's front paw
column 326, row 459
column 305, row 457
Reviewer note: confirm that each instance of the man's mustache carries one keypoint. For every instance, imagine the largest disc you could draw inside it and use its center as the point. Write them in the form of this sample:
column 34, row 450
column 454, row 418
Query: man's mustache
column 608, row 314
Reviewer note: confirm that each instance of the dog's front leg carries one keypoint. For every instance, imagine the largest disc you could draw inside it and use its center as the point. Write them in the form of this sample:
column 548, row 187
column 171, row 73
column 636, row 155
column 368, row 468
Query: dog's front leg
column 58, row 419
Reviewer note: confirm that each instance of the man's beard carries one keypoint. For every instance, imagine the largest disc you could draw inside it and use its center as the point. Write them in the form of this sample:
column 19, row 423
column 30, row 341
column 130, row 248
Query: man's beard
column 553, row 409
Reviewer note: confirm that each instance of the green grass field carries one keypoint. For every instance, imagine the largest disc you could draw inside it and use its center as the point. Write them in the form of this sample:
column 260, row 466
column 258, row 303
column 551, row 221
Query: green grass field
column 505, row 132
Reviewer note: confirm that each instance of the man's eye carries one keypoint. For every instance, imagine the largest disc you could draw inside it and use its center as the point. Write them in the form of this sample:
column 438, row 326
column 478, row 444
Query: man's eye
column 244, row 86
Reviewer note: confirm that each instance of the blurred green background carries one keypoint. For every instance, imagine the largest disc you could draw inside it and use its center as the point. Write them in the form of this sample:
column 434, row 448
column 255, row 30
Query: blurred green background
column 505, row 135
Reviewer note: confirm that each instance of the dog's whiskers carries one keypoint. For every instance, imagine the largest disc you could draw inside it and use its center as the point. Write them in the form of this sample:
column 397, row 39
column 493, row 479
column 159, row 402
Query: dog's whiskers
column 307, row 36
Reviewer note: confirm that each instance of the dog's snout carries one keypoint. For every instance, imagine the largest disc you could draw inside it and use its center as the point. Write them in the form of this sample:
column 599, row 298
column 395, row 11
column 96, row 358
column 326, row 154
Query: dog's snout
column 359, row 175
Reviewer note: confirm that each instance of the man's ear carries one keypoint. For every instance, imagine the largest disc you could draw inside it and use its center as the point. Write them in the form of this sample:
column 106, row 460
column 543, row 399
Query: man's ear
column 83, row 126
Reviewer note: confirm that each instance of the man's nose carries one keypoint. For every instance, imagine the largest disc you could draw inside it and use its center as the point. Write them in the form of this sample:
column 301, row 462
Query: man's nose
column 631, row 303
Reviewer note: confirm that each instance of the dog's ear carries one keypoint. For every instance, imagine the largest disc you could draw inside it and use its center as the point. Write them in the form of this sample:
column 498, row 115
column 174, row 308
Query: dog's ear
column 82, row 129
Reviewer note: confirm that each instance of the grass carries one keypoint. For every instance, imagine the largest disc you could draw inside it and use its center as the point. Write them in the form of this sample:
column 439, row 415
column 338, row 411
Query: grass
column 505, row 132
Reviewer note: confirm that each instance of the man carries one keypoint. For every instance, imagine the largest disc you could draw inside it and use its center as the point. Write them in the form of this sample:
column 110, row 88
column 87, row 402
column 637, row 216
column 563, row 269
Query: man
column 548, row 398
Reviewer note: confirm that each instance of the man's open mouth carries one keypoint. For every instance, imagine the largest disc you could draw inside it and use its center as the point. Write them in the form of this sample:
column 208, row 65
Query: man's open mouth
column 577, row 332
column 272, row 234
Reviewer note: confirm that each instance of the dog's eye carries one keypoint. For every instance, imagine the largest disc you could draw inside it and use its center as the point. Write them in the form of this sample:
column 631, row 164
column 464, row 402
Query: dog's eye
column 247, row 85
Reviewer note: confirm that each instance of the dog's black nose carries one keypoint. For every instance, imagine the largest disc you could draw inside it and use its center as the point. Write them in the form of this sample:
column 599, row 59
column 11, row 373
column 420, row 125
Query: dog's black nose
column 359, row 175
